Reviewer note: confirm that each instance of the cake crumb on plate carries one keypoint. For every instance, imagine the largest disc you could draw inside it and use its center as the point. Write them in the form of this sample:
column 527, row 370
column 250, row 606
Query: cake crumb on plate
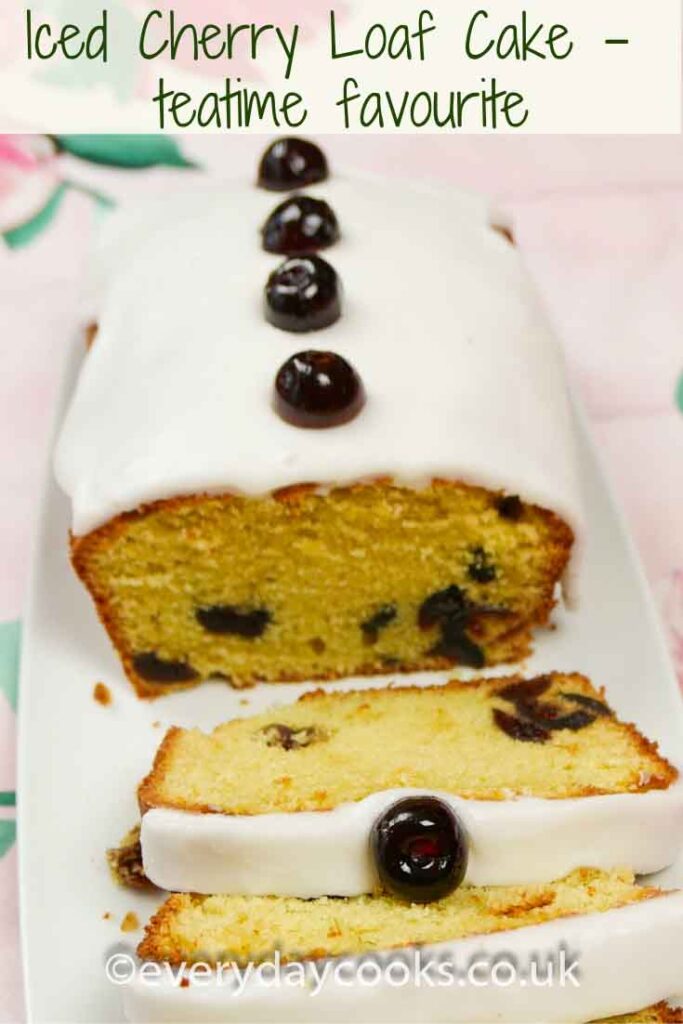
column 102, row 694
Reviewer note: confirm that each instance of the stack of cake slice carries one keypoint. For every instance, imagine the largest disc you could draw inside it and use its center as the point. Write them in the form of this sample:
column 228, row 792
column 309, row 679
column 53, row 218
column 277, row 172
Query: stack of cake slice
column 452, row 823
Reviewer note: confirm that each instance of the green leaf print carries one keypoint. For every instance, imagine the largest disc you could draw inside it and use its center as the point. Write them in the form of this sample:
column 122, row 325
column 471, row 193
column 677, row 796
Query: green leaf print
column 25, row 233
column 8, row 833
column 10, row 635
column 133, row 151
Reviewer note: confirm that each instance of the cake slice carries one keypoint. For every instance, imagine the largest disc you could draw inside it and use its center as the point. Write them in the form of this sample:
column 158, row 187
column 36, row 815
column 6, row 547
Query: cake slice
column 625, row 941
column 221, row 534
column 252, row 928
column 541, row 774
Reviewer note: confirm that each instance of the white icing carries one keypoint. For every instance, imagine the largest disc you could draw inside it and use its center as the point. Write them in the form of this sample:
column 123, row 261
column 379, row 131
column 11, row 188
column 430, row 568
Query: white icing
column 463, row 377
column 319, row 853
column 630, row 958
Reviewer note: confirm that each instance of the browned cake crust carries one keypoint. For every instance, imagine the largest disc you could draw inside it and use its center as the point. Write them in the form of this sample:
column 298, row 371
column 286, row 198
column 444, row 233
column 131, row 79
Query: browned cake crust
column 153, row 792
column 660, row 1013
column 125, row 862
column 514, row 633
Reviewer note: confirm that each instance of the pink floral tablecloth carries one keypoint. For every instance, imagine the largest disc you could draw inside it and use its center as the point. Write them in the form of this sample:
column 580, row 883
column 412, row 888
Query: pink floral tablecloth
column 600, row 221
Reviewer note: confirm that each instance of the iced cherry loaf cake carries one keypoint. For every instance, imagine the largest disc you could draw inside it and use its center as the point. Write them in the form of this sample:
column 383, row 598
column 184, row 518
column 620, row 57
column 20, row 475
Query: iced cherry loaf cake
column 538, row 775
column 397, row 493
column 626, row 940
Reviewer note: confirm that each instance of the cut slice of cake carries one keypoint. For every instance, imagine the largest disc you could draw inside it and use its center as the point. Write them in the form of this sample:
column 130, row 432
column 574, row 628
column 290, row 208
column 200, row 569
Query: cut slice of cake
column 285, row 802
column 253, row 928
column 624, row 941
column 222, row 536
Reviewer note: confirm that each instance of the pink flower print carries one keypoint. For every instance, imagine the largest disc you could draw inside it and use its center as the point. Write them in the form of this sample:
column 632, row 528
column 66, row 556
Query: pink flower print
column 29, row 176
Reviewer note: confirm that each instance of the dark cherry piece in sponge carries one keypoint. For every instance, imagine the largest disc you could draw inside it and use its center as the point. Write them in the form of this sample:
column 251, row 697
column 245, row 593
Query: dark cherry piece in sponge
column 481, row 569
column 318, row 389
column 444, row 605
column 526, row 689
column 291, row 163
column 150, row 667
column 375, row 623
column 303, row 294
column 518, row 729
column 300, row 225
column 453, row 612
column 596, row 706
column 279, row 735
column 537, row 718
column 510, row 507
column 420, row 849
column 456, row 644
column 225, row 619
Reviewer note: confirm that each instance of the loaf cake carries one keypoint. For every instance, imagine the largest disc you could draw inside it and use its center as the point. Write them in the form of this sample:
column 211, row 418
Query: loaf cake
column 540, row 772
column 223, row 533
column 627, row 941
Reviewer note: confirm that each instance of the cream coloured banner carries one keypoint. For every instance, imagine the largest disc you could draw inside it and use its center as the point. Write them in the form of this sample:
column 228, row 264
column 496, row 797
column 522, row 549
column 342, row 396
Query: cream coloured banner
column 357, row 65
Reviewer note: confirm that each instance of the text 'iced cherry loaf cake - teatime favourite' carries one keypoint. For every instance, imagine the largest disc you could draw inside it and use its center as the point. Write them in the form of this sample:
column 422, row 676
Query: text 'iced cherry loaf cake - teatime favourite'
column 626, row 943
column 538, row 775
column 397, row 493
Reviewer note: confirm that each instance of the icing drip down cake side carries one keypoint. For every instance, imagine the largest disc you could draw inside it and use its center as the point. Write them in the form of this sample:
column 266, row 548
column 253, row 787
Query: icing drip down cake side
column 395, row 491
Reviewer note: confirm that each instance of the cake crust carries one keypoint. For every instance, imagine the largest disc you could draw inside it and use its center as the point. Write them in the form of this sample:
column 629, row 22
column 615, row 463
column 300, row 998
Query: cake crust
column 125, row 862
column 660, row 1013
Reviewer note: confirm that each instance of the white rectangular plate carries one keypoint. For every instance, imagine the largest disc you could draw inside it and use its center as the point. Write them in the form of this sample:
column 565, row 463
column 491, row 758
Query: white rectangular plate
column 79, row 762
